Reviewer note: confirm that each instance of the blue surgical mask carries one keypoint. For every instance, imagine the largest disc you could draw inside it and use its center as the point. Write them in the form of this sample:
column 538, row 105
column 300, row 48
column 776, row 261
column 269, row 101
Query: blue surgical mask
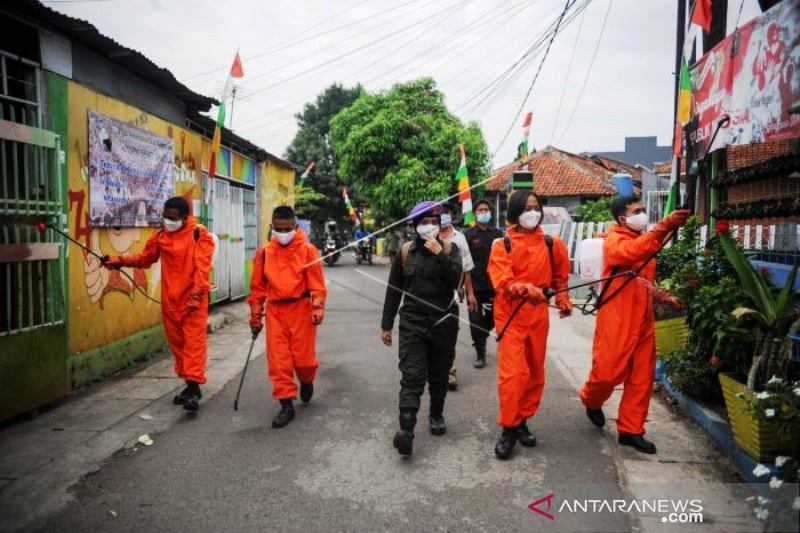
column 446, row 220
column 484, row 218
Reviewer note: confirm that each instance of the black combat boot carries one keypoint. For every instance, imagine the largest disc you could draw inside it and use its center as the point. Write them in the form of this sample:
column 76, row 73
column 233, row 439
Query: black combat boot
column 505, row 444
column 285, row 415
column 525, row 438
column 596, row 416
column 480, row 351
column 436, row 418
column 306, row 392
column 637, row 441
column 404, row 439
column 181, row 397
column 191, row 401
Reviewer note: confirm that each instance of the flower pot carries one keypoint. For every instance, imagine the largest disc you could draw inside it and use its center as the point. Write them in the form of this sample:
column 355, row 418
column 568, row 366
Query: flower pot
column 671, row 334
column 761, row 440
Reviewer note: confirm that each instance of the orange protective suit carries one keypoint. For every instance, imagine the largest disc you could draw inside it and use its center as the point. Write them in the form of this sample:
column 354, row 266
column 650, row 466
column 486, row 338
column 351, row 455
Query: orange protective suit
column 185, row 274
column 290, row 279
column 520, row 353
column 624, row 337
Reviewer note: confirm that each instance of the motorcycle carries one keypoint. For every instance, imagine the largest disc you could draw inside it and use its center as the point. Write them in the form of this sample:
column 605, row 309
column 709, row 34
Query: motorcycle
column 363, row 252
column 330, row 251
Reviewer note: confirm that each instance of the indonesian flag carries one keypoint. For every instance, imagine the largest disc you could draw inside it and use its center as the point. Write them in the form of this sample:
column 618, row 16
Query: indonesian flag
column 522, row 149
column 309, row 169
column 350, row 211
column 236, row 72
column 465, row 195
column 702, row 14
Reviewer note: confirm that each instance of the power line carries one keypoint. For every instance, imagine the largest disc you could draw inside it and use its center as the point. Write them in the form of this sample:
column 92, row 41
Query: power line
column 566, row 79
column 431, row 22
column 463, row 32
column 588, row 72
column 499, row 85
column 313, row 54
column 487, row 89
column 310, row 36
column 349, row 53
column 567, row 6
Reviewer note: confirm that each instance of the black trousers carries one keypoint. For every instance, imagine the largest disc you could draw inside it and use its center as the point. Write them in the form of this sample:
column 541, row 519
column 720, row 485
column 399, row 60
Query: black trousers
column 425, row 356
column 481, row 321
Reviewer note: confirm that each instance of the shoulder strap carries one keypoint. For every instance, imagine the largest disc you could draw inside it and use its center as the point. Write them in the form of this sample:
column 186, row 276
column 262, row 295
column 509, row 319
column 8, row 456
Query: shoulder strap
column 196, row 233
column 404, row 251
column 507, row 243
column 548, row 240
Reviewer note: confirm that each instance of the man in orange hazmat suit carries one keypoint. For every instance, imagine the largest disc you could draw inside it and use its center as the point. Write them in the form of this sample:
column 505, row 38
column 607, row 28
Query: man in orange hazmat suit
column 624, row 337
column 520, row 265
column 287, row 274
column 185, row 249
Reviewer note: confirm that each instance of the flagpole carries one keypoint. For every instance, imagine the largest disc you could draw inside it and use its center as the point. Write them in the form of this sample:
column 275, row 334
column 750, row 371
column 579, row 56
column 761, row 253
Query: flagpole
column 675, row 175
column 233, row 99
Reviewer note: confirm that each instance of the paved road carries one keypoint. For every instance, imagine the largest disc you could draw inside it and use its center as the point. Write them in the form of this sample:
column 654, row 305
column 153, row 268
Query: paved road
column 334, row 467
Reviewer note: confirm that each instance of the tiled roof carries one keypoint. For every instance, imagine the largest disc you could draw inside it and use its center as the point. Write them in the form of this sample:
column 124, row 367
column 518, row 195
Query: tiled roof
column 560, row 173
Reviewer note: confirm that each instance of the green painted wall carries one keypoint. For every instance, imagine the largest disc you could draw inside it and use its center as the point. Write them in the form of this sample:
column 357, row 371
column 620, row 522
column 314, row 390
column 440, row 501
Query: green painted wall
column 101, row 362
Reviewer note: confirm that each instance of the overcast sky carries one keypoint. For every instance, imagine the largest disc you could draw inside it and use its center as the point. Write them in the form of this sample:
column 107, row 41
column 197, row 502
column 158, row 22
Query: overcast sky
column 463, row 44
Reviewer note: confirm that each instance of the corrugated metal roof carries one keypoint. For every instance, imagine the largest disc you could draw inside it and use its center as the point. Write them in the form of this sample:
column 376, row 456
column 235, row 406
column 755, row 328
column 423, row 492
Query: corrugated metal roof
column 85, row 33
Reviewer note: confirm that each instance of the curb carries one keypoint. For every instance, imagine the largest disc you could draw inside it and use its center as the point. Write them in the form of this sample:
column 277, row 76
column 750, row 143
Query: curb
column 715, row 427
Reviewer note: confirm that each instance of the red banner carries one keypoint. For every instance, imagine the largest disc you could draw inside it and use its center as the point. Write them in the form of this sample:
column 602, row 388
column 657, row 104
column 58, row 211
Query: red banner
column 753, row 76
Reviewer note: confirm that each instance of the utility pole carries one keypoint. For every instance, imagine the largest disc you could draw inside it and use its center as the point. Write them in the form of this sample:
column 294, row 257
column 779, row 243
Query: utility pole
column 679, row 38
column 717, row 33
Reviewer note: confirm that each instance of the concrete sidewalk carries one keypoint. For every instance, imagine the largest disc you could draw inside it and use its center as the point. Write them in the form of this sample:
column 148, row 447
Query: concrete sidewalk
column 687, row 460
column 42, row 458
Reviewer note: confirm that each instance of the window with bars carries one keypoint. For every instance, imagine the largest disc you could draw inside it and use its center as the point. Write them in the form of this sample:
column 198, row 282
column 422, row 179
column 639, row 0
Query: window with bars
column 31, row 264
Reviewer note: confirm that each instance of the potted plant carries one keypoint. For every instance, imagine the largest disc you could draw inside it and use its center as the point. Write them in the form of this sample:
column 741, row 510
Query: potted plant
column 672, row 329
column 772, row 317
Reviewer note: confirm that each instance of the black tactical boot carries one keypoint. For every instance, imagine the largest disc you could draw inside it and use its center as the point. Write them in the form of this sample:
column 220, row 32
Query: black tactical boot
column 436, row 418
column 480, row 351
column 404, row 439
column 191, row 402
column 306, row 392
column 596, row 416
column 181, row 397
column 637, row 441
column 505, row 444
column 285, row 415
column 524, row 436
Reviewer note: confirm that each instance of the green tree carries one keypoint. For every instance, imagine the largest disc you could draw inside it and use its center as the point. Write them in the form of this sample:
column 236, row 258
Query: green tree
column 402, row 146
column 595, row 211
column 323, row 199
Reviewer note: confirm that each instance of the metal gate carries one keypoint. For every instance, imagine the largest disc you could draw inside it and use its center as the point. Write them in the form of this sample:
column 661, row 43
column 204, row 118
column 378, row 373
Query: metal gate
column 33, row 361
column 227, row 221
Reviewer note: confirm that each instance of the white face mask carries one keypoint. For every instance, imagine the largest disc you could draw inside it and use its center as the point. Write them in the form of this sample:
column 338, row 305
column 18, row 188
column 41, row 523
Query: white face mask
column 530, row 219
column 483, row 218
column 284, row 238
column 428, row 231
column 446, row 220
column 172, row 225
column 637, row 222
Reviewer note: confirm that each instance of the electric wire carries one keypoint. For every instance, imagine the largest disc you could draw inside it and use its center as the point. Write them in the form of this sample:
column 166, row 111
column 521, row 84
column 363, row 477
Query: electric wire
column 310, row 36
column 566, row 79
column 515, row 10
column 588, row 72
column 430, row 23
column 567, row 6
column 345, row 55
